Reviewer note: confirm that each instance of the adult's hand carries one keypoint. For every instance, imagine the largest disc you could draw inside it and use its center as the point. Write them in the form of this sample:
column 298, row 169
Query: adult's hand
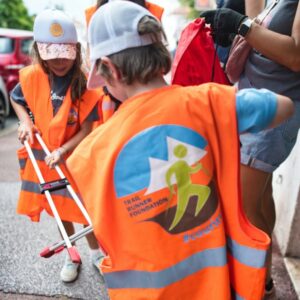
column 223, row 21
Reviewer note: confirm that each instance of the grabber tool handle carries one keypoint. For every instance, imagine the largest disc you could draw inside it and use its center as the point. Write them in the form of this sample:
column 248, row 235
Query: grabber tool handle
column 68, row 186
column 47, row 252
column 48, row 196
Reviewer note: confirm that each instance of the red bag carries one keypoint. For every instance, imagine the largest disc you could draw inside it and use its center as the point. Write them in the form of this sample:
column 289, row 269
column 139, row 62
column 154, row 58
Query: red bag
column 196, row 60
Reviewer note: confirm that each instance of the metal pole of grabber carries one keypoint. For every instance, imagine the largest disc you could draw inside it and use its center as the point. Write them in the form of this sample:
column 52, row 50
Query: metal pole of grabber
column 74, row 255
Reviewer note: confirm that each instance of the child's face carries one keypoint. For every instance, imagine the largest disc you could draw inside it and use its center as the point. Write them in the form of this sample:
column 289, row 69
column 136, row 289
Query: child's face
column 60, row 66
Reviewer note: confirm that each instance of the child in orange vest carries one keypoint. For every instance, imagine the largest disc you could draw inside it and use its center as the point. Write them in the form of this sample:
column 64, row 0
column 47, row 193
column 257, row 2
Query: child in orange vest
column 54, row 91
column 163, row 194
column 156, row 10
column 110, row 104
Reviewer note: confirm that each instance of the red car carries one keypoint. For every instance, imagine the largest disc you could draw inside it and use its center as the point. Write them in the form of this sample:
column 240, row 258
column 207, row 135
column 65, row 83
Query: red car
column 15, row 46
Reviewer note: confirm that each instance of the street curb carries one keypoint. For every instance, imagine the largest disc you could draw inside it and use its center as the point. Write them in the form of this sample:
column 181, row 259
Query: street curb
column 293, row 268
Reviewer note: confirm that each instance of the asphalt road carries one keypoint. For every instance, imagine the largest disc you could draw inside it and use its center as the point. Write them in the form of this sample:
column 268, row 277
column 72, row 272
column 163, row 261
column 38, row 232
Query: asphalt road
column 24, row 274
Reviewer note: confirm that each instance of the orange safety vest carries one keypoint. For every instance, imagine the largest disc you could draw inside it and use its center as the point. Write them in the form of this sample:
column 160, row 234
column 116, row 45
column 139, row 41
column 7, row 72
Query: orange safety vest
column 155, row 9
column 55, row 131
column 106, row 108
column 164, row 198
column 89, row 13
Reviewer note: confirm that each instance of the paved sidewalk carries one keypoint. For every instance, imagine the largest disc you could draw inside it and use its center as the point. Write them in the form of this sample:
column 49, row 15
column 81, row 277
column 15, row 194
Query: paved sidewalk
column 22, row 269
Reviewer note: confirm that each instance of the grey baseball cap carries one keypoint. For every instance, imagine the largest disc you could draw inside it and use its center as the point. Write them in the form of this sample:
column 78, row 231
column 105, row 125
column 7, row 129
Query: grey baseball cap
column 53, row 26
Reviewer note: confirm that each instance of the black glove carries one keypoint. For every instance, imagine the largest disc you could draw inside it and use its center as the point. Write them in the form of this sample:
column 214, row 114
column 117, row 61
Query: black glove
column 237, row 5
column 223, row 20
column 224, row 40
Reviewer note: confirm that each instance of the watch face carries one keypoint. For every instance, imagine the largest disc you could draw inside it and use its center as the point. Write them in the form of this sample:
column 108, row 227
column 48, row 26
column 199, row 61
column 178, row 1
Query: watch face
column 245, row 27
column 243, row 30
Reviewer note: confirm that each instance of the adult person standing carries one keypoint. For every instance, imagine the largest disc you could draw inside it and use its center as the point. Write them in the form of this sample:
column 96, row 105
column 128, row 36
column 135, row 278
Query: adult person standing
column 163, row 193
column 274, row 63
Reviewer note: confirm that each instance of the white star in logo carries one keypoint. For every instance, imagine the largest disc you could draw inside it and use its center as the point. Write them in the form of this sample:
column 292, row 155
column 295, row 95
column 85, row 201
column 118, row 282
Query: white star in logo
column 160, row 167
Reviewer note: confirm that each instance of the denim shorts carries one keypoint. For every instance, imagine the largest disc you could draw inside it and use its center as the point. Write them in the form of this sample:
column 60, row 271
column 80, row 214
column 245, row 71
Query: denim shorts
column 267, row 149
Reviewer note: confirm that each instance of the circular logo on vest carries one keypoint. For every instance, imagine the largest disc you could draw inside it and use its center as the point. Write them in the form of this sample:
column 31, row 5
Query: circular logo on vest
column 161, row 176
column 56, row 30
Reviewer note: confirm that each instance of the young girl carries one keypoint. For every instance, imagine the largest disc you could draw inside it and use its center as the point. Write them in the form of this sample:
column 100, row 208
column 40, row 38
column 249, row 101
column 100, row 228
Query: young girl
column 52, row 99
column 163, row 194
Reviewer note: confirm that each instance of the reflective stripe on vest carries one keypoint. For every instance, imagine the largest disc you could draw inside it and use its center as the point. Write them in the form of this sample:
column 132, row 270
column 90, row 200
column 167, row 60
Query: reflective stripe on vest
column 38, row 154
column 207, row 258
column 22, row 163
column 142, row 279
column 238, row 297
column 235, row 296
column 108, row 105
column 248, row 256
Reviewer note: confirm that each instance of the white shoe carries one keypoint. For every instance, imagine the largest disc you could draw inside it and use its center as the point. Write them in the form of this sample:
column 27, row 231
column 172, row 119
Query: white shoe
column 69, row 272
column 97, row 260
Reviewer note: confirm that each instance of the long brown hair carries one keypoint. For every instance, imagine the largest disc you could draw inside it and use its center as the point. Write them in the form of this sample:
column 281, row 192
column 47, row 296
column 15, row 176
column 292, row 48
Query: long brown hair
column 78, row 82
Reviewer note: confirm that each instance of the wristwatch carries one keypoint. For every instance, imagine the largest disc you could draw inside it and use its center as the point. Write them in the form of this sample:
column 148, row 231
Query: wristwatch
column 245, row 27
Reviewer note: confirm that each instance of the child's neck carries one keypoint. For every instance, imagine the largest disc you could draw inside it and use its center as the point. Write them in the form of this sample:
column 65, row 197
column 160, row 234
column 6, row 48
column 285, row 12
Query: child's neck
column 139, row 88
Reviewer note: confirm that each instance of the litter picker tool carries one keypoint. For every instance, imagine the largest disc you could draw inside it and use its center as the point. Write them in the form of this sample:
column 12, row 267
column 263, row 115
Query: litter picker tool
column 46, row 188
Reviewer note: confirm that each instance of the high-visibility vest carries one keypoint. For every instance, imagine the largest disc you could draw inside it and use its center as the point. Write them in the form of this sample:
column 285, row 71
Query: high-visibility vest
column 155, row 9
column 106, row 108
column 55, row 130
column 164, row 198
column 89, row 13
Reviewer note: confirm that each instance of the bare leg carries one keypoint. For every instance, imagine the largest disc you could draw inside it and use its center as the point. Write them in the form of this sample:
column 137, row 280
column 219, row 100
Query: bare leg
column 268, row 208
column 258, row 203
column 69, row 227
column 96, row 254
column 92, row 242
column 91, row 239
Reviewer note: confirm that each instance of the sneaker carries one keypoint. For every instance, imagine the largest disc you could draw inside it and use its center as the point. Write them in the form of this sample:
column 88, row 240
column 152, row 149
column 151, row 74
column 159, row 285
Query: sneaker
column 69, row 272
column 97, row 260
column 270, row 291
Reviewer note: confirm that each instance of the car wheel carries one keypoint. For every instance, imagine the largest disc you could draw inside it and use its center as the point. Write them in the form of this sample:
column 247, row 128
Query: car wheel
column 2, row 112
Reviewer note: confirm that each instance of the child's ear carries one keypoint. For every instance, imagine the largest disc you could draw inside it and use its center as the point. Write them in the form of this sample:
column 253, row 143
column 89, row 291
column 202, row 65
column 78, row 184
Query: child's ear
column 114, row 72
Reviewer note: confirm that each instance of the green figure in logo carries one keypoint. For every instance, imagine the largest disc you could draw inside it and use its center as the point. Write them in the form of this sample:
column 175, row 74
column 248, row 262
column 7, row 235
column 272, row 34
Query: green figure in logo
column 185, row 188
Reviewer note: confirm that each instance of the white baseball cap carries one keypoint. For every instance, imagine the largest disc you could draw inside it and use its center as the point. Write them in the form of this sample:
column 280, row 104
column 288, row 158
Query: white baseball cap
column 113, row 28
column 55, row 34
